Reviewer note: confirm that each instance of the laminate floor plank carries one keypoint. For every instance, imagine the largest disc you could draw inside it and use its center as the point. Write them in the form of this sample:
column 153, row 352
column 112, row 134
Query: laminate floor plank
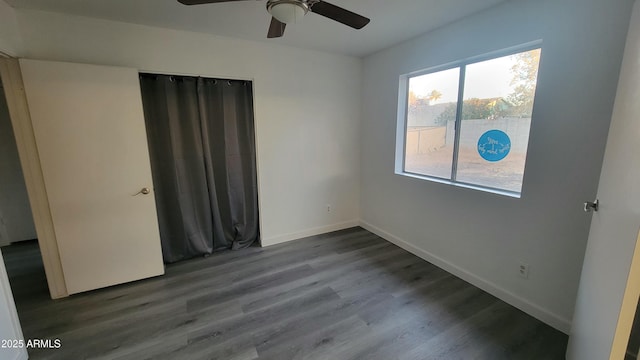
column 317, row 344
column 408, row 321
column 255, row 285
column 147, row 349
column 330, row 273
column 313, row 320
column 383, row 276
column 236, row 348
column 464, row 339
column 342, row 295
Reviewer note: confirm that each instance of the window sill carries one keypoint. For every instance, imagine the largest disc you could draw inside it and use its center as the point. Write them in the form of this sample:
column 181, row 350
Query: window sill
column 511, row 194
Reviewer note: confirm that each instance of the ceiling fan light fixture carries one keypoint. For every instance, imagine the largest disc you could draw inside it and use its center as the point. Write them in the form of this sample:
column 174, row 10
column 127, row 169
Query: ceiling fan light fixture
column 287, row 11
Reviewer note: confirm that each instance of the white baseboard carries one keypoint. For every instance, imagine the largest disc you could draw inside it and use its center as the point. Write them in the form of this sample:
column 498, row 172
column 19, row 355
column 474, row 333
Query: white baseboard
column 544, row 315
column 308, row 232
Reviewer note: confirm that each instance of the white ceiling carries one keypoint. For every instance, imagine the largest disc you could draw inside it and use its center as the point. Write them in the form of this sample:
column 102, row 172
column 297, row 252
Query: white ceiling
column 391, row 21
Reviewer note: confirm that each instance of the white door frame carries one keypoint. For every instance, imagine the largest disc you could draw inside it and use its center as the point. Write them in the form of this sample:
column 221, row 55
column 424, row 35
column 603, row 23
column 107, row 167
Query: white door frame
column 30, row 161
column 6, row 299
column 628, row 308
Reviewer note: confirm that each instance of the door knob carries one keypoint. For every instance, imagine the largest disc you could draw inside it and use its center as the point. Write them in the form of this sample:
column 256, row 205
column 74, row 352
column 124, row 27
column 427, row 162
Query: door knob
column 591, row 206
column 143, row 191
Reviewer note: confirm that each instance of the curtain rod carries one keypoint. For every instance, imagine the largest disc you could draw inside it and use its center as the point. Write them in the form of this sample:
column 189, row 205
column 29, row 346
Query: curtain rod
column 220, row 77
column 181, row 77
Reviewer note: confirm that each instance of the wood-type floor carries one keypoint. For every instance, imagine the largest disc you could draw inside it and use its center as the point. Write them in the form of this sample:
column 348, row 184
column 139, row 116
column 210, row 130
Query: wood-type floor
column 343, row 295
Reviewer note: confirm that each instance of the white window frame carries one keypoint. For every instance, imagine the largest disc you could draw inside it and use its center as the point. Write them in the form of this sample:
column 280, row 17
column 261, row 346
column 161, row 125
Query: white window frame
column 401, row 129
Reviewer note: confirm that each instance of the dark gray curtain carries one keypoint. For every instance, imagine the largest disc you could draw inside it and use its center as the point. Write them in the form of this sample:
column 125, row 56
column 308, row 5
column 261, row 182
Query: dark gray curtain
column 202, row 148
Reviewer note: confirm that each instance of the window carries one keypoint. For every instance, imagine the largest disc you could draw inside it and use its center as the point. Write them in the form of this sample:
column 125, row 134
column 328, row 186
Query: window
column 469, row 124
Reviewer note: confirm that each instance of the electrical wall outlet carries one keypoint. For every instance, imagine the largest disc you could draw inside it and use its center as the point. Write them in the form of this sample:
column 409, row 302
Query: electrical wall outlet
column 523, row 270
column 328, row 208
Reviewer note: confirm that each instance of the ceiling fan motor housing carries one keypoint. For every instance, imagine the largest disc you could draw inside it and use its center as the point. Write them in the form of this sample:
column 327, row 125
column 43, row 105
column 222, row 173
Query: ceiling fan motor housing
column 288, row 11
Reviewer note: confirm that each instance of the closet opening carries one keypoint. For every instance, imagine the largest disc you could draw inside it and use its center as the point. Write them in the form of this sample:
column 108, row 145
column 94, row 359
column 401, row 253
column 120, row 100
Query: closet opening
column 201, row 139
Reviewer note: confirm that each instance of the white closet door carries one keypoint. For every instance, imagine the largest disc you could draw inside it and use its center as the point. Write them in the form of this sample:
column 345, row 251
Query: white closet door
column 89, row 129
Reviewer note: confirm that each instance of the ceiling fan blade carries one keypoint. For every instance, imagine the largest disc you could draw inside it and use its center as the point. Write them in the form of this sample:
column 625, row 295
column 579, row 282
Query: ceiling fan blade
column 339, row 14
column 198, row 2
column 276, row 29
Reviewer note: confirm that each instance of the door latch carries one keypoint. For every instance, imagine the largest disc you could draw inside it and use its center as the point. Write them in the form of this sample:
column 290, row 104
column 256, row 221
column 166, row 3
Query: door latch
column 591, row 206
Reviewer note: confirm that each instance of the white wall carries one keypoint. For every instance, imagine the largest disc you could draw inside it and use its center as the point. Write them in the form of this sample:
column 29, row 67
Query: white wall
column 10, row 42
column 307, row 107
column 614, row 230
column 16, row 221
column 479, row 236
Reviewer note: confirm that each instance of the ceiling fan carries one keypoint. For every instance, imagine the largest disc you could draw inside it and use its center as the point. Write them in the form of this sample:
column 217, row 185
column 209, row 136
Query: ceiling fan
column 290, row 11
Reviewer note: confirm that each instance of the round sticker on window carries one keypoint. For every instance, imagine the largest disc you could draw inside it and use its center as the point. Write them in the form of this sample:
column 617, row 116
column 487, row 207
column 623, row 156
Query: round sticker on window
column 494, row 145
